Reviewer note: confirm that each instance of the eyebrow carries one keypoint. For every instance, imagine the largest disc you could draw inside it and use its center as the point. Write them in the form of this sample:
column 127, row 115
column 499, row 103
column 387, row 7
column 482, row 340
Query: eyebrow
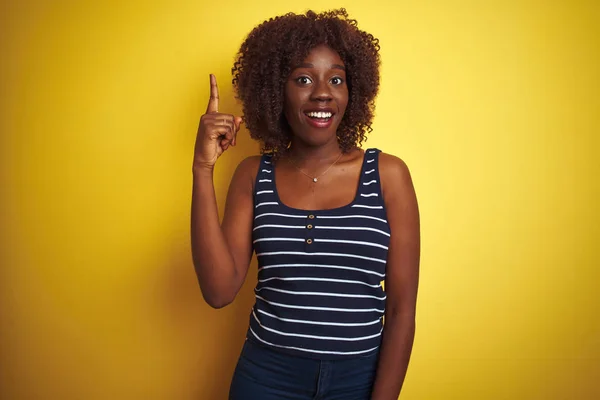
column 334, row 66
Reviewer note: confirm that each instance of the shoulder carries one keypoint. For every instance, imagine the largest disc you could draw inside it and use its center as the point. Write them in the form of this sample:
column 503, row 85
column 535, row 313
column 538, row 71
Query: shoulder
column 398, row 194
column 390, row 164
column 247, row 170
column 394, row 174
column 250, row 164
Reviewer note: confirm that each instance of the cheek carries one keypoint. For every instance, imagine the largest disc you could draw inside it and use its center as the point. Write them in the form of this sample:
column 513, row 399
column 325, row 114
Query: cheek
column 343, row 100
column 288, row 108
column 291, row 108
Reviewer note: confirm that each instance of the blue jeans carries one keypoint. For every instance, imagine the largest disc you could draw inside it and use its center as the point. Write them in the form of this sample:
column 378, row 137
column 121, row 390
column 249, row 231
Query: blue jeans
column 265, row 374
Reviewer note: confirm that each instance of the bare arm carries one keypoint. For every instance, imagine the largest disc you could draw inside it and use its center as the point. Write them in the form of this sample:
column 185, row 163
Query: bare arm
column 402, row 277
column 221, row 253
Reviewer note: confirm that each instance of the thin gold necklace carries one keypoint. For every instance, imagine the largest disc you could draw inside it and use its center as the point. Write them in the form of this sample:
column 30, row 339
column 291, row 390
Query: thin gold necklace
column 316, row 178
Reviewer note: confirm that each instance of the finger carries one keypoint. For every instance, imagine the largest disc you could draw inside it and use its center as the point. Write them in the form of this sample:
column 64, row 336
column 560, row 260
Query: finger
column 226, row 131
column 224, row 143
column 217, row 118
column 223, row 131
column 230, row 123
column 213, row 102
column 237, row 121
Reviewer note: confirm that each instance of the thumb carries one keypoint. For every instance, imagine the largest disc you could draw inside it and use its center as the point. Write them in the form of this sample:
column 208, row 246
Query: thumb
column 238, row 121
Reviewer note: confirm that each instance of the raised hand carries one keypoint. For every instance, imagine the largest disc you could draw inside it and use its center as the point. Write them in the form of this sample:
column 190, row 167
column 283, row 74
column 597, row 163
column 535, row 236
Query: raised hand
column 216, row 131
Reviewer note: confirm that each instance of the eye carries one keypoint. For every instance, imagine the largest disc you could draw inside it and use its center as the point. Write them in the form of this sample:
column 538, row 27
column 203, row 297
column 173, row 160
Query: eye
column 303, row 80
column 337, row 80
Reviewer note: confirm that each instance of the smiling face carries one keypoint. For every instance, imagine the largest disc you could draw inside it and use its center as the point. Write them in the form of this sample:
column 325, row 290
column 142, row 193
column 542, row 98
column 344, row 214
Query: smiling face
column 316, row 96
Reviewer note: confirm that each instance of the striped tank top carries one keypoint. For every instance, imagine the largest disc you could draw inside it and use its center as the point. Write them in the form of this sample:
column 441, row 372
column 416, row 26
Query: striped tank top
column 319, row 291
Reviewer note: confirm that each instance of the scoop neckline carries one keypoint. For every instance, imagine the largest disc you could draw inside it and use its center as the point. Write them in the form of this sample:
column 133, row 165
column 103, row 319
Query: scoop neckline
column 324, row 210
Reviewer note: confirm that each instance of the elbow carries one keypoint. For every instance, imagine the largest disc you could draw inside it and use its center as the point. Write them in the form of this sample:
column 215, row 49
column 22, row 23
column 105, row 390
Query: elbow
column 217, row 301
column 217, row 304
column 219, row 291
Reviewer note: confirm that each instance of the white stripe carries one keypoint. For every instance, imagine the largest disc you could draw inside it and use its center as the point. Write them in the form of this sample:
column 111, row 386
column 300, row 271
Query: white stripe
column 281, row 215
column 325, row 294
column 370, row 161
column 352, row 216
column 344, row 339
column 362, row 194
column 278, row 240
column 265, row 180
column 353, row 228
column 320, row 308
column 267, row 162
column 309, row 322
column 319, row 280
column 369, row 171
column 313, row 351
column 371, row 207
column 269, row 191
column 298, row 253
column 280, row 226
column 370, row 182
column 266, row 204
column 352, row 242
column 365, row 271
column 268, row 171
column 371, row 151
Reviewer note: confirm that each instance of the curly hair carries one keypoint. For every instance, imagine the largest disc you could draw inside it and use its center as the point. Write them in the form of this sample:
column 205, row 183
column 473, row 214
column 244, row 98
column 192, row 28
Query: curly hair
column 268, row 55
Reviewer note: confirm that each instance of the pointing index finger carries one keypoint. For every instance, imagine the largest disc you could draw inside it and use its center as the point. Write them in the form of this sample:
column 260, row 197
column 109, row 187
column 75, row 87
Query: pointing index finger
column 213, row 102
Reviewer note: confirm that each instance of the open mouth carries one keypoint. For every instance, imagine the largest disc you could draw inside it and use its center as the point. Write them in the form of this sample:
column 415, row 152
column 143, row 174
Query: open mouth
column 319, row 116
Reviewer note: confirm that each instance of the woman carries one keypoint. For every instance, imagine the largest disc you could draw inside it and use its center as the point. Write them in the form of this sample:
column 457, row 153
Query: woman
column 329, row 222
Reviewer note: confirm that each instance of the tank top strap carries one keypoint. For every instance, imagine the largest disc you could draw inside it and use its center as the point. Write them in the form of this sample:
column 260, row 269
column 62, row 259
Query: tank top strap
column 264, row 192
column 369, row 188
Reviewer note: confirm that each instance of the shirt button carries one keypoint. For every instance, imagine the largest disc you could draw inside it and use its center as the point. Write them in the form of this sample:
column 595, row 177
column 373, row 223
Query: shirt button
column 309, row 226
column 311, row 216
column 309, row 241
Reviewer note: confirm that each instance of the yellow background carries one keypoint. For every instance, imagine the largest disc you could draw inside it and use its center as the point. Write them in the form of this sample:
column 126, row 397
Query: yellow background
column 494, row 106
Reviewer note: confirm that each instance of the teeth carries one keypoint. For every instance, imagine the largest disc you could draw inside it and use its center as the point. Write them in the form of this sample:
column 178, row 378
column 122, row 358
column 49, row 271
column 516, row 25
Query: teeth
column 319, row 114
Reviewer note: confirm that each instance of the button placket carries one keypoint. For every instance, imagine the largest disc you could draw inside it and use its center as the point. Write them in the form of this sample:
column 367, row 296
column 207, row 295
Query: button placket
column 310, row 224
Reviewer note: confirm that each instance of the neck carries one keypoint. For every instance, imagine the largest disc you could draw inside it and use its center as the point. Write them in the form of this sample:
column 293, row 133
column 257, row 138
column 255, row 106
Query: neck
column 301, row 152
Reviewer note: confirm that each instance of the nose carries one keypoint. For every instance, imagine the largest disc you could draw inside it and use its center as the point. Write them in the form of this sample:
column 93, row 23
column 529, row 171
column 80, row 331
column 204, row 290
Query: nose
column 321, row 92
